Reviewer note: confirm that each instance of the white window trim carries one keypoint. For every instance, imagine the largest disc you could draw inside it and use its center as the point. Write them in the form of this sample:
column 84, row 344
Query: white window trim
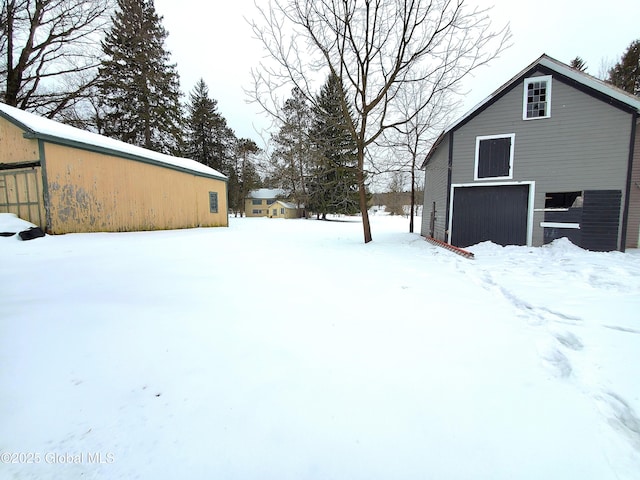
column 532, row 193
column 529, row 80
column 489, row 137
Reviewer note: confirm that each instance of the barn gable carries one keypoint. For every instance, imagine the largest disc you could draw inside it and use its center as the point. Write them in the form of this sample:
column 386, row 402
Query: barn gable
column 536, row 161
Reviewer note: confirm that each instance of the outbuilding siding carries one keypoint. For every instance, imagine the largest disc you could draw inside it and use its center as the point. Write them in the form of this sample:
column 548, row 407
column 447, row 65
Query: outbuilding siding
column 14, row 147
column 68, row 180
column 633, row 219
column 93, row 192
column 583, row 146
column 435, row 191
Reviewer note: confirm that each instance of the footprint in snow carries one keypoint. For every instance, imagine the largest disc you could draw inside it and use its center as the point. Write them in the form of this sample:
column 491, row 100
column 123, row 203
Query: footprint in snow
column 622, row 417
column 569, row 340
column 559, row 362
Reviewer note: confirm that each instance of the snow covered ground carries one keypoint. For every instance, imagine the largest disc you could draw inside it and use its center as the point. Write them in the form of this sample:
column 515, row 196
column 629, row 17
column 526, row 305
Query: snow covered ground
column 288, row 349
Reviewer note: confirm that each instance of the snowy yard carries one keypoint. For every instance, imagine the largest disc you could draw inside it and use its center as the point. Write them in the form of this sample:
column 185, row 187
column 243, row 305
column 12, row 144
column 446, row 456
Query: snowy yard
column 288, row 349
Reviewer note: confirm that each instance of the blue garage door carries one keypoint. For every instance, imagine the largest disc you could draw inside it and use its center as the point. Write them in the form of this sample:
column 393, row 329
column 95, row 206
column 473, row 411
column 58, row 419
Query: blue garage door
column 495, row 213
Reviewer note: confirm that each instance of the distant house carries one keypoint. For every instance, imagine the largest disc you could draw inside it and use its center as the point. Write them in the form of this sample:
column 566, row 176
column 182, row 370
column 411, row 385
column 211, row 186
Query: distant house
column 280, row 209
column 269, row 202
column 65, row 180
column 552, row 153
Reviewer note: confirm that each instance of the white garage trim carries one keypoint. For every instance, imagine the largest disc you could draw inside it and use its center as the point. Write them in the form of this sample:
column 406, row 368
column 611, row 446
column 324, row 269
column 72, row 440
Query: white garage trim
column 560, row 225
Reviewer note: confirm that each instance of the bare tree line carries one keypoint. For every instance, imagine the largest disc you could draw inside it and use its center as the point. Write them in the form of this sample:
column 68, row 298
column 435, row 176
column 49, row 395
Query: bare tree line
column 50, row 51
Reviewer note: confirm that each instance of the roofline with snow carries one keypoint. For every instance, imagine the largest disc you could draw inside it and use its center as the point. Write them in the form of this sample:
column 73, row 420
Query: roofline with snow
column 117, row 153
column 288, row 205
column 273, row 193
column 30, row 133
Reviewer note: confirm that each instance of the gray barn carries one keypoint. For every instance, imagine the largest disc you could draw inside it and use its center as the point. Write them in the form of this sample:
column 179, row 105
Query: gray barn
column 552, row 153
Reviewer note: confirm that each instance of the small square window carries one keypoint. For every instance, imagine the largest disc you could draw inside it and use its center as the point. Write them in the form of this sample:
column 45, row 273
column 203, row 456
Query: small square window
column 213, row 202
column 494, row 156
column 537, row 98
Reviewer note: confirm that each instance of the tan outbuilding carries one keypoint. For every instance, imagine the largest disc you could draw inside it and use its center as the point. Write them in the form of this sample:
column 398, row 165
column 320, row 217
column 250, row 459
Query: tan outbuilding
column 65, row 180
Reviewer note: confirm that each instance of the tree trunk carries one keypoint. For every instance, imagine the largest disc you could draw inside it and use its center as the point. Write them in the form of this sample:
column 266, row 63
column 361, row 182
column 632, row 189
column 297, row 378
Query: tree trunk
column 13, row 81
column 413, row 195
column 362, row 194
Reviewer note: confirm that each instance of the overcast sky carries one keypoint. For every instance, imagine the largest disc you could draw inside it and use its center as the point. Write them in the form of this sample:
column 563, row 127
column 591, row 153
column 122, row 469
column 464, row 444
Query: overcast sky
column 212, row 40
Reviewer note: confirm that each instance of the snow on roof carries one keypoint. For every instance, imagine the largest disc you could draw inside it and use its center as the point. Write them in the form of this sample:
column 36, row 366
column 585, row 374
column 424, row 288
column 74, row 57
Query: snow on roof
column 266, row 193
column 286, row 204
column 51, row 130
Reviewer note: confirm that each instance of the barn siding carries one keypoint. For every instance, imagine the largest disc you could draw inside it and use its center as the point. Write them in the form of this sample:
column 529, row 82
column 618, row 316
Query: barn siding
column 21, row 189
column 15, row 148
column 435, row 190
column 633, row 219
column 91, row 192
column 583, row 146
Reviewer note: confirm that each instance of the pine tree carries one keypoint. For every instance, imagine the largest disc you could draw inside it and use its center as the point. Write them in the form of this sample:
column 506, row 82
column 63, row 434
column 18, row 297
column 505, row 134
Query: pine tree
column 334, row 186
column 291, row 158
column 244, row 176
column 578, row 64
column 626, row 73
column 209, row 139
column 141, row 89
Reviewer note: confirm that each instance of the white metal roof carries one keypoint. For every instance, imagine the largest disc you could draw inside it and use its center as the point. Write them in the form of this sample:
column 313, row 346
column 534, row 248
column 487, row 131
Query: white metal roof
column 266, row 193
column 285, row 204
column 47, row 129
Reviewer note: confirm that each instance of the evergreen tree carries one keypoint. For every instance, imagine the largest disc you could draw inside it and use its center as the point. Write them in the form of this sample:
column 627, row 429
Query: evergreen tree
column 209, row 139
column 244, row 176
column 140, row 88
column 578, row 64
column 626, row 73
column 333, row 187
column 291, row 158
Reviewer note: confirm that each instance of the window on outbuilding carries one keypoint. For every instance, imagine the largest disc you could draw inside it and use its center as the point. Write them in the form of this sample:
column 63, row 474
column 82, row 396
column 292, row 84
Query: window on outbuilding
column 562, row 200
column 213, row 202
column 494, row 156
column 537, row 98
column 282, row 211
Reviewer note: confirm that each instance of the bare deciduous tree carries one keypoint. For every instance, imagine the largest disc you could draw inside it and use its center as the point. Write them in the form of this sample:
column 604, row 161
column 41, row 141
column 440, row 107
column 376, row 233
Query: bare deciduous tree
column 416, row 136
column 49, row 51
column 377, row 48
